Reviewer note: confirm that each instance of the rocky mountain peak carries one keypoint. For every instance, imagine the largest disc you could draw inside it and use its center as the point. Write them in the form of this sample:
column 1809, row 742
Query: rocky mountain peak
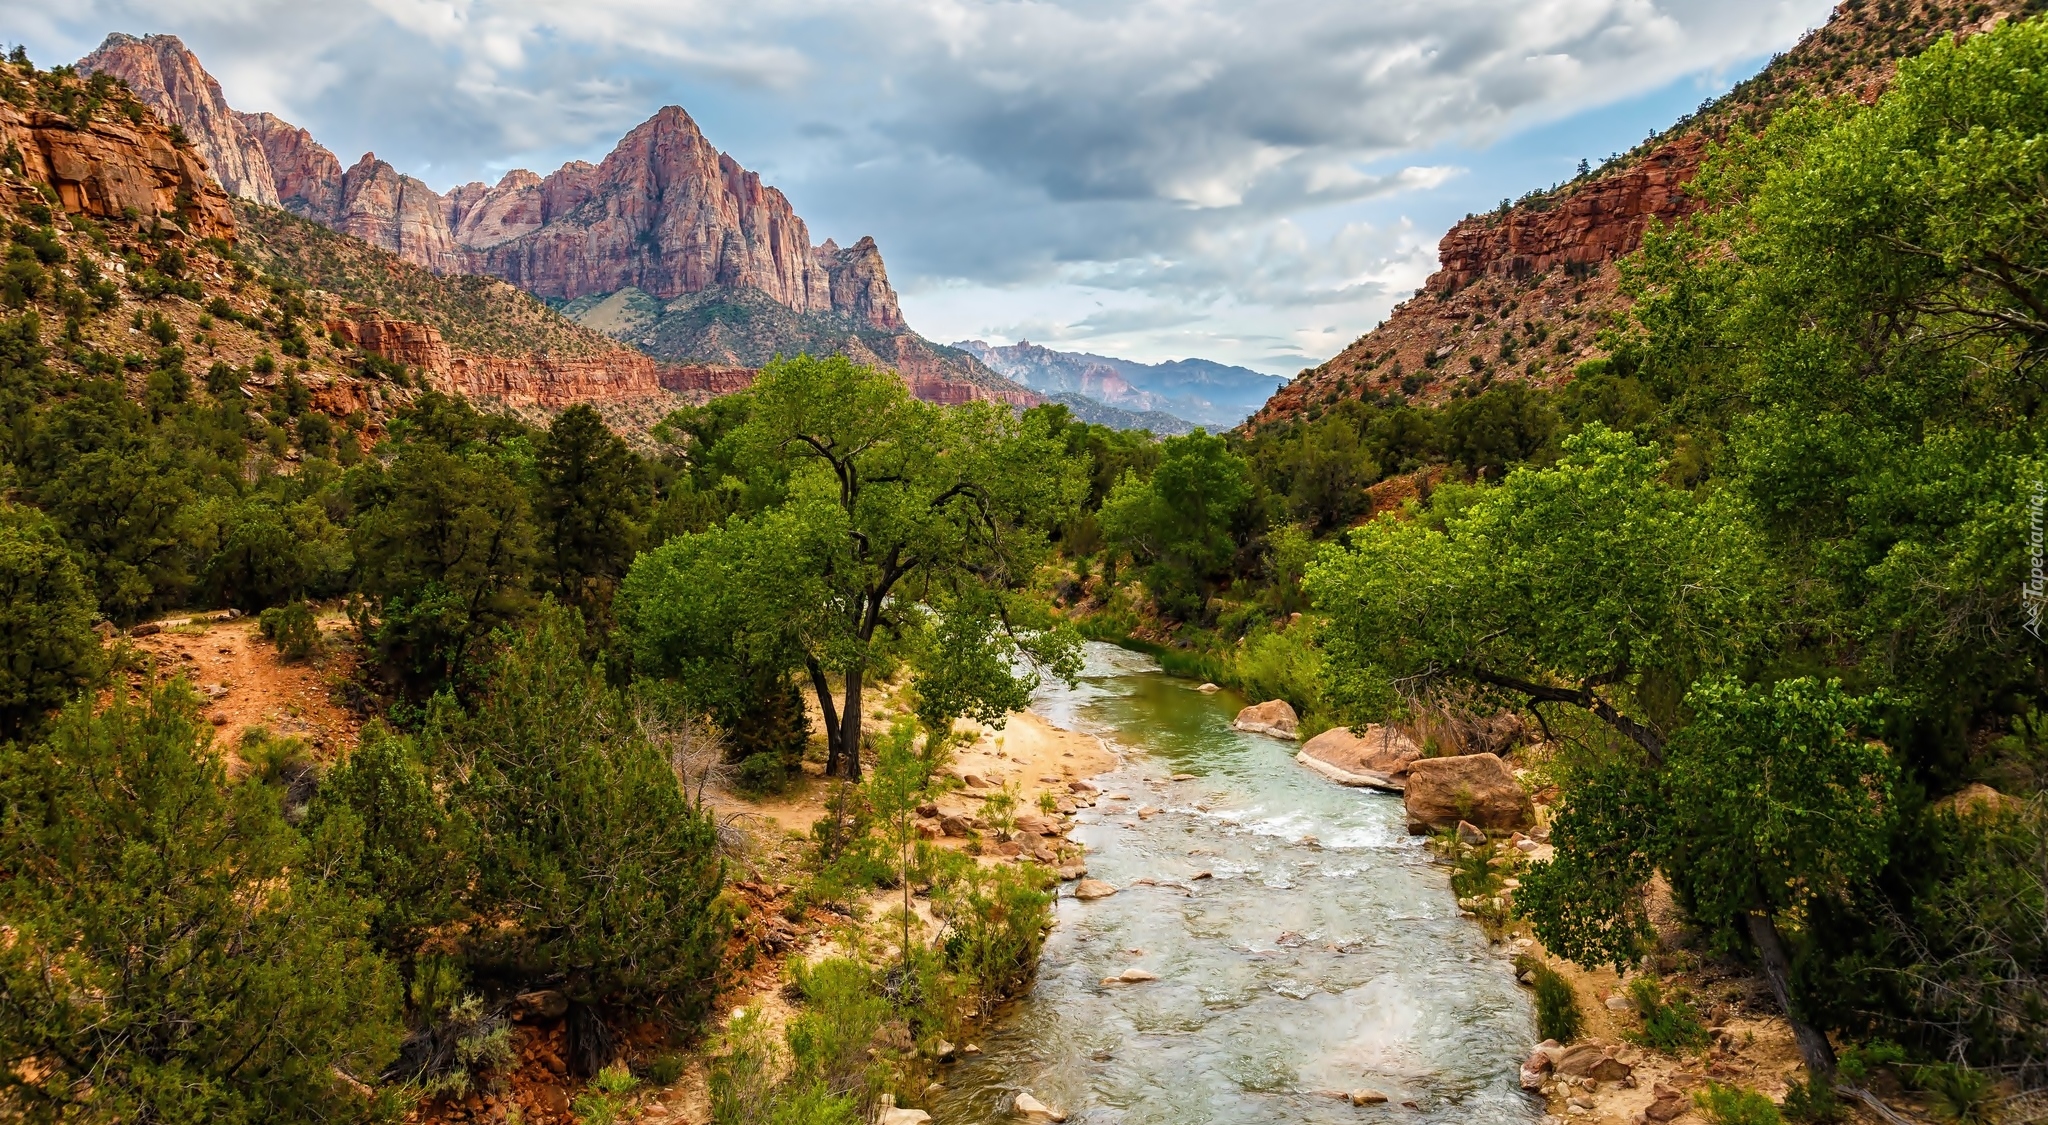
column 169, row 79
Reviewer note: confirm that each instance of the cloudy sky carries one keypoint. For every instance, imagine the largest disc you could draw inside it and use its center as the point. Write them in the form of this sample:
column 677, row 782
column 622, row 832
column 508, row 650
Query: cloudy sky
column 1255, row 181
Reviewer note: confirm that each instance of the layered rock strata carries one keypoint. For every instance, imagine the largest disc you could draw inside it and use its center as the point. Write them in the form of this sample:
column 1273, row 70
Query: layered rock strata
column 538, row 379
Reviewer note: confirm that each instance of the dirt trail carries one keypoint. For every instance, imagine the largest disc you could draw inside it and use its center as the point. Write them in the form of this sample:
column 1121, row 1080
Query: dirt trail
column 246, row 685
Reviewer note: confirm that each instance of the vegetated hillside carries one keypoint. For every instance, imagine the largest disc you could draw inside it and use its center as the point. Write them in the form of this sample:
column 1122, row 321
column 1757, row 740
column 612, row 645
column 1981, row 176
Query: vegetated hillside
column 745, row 328
column 1522, row 291
column 1207, row 393
column 478, row 313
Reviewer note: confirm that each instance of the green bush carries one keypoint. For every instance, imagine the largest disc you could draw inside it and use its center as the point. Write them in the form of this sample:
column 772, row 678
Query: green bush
column 1811, row 1101
column 292, row 629
column 1669, row 1025
column 1958, row 1094
column 46, row 612
column 599, row 868
column 207, row 975
column 996, row 919
column 1557, row 1006
column 1733, row 1105
column 663, row 1070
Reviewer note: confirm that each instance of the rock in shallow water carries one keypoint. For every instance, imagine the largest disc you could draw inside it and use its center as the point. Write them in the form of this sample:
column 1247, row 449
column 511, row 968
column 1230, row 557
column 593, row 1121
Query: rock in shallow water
column 1273, row 717
column 1031, row 1109
column 1090, row 889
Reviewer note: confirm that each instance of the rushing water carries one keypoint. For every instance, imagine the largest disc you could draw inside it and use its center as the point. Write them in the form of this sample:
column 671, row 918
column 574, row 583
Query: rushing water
column 1324, row 953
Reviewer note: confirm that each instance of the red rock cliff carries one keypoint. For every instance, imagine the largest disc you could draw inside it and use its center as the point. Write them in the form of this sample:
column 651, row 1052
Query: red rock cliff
column 665, row 211
column 532, row 380
column 104, row 169
column 169, row 79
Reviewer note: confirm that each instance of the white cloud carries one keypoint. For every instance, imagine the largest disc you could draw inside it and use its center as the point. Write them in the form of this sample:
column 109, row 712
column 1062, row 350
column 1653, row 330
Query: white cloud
column 1211, row 161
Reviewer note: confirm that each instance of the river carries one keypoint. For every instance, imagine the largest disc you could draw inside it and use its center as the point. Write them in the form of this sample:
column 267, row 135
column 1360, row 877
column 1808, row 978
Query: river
column 1323, row 953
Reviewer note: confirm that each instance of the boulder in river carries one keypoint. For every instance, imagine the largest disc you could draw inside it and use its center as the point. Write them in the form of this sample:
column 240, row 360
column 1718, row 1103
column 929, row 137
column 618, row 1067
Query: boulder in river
column 1208, row 689
column 1073, row 871
column 1031, row 1109
column 1273, row 717
column 1473, row 787
column 1377, row 758
column 1367, row 1096
column 1090, row 889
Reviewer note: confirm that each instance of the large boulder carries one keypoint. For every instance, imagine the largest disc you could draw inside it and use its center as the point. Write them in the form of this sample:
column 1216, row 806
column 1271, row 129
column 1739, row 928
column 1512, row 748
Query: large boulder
column 1378, row 758
column 1273, row 717
column 1473, row 787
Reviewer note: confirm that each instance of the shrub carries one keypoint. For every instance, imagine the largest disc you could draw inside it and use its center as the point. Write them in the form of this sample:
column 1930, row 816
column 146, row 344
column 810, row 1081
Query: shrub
column 1811, row 1101
column 1958, row 1094
column 1670, row 1025
column 1733, row 1105
column 207, row 976
column 601, row 870
column 996, row 919
column 663, row 1070
column 1557, row 1006
column 456, row 1046
column 46, row 612
column 292, row 629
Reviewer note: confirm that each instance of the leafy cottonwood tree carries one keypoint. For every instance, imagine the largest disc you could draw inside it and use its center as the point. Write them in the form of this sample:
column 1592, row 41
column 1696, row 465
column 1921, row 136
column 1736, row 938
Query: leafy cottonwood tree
column 1185, row 522
column 170, row 958
column 1590, row 585
column 1768, row 800
column 895, row 515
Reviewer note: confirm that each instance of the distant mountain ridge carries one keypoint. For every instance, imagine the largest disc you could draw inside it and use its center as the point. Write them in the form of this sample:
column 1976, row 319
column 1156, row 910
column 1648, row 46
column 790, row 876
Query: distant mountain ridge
column 1201, row 391
column 664, row 214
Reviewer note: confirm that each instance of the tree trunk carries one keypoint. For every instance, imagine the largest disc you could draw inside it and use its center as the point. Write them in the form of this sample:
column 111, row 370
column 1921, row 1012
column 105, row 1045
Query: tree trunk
column 1813, row 1044
column 848, row 752
column 824, row 689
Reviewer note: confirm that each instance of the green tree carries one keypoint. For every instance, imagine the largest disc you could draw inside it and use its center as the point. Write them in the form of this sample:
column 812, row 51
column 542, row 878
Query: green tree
column 443, row 542
column 1769, row 801
column 894, row 514
column 46, row 615
column 595, row 866
column 382, row 829
column 169, row 957
column 587, row 509
column 1591, row 584
column 1186, row 522
column 1502, row 426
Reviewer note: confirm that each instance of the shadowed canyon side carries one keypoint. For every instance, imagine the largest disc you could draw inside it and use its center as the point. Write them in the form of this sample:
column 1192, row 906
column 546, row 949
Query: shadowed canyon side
column 1522, row 292
column 664, row 215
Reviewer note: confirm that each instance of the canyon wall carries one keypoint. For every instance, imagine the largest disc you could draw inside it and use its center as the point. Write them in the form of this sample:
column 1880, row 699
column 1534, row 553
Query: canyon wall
column 537, row 379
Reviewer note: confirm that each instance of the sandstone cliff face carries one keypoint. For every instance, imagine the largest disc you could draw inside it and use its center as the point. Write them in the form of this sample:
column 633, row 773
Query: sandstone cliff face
column 1602, row 221
column 169, row 79
column 307, row 177
column 537, row 379
column 398, row 213
column 104, row 169
column 858, row 285
column 664, row 213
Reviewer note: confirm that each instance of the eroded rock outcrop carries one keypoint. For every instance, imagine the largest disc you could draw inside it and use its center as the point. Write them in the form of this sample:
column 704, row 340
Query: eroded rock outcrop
column 306, row 177
column 538, row 379
column 106, row 169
